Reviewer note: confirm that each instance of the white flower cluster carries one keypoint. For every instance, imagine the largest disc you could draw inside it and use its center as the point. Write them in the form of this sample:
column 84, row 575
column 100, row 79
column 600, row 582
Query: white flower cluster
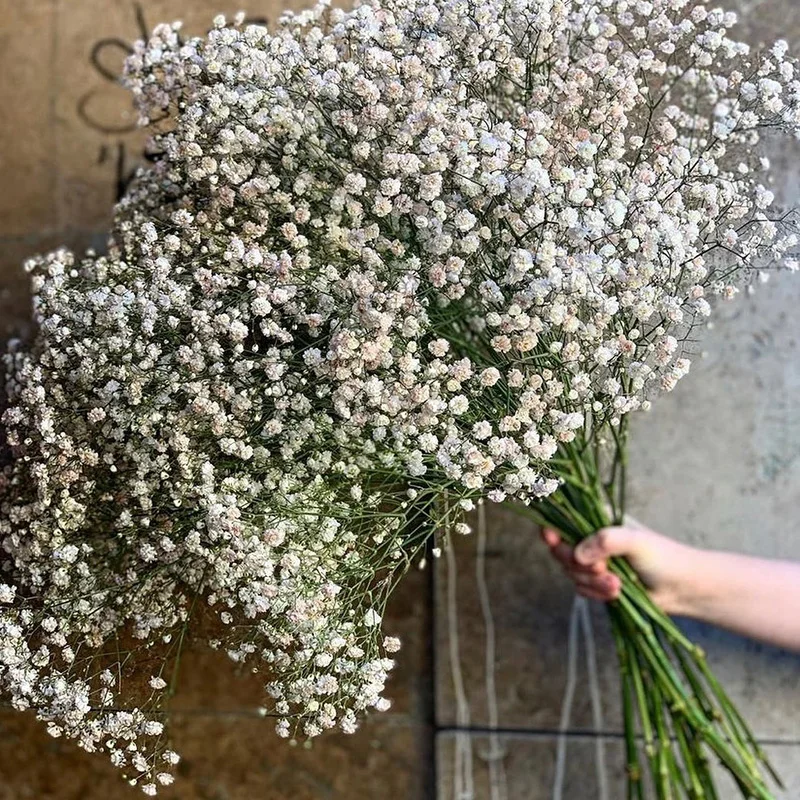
column 383, row 254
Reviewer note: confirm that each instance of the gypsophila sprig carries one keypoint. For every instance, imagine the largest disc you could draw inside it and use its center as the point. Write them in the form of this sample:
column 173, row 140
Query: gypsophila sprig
column 388, row 263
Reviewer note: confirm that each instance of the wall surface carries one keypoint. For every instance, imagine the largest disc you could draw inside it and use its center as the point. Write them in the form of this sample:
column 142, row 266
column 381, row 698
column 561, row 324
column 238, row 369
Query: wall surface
column 484, row 705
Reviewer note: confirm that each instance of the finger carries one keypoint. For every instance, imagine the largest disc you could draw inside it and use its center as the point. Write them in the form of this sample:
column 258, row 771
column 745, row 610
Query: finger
column 564, row 554
column 604, row 544
column 607, row 585
column 551, row 537
column 590, row 594
column 598, row 568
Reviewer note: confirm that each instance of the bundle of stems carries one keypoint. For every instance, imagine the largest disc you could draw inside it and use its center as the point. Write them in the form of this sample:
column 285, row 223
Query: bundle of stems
column 676, row 713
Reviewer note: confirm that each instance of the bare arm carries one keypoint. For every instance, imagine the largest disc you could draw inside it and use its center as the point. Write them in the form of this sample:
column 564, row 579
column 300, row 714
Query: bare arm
column 755, row 597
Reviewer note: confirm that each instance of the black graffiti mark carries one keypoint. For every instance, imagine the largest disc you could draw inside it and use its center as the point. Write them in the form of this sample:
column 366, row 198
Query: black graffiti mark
column 102, row 46
column 95, row 56
column 99, row 49
column 124, row 172
column 110, row 44
column 86, row 117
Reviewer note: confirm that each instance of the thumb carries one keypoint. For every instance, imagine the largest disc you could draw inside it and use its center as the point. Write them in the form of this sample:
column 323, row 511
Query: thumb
column 604, row 544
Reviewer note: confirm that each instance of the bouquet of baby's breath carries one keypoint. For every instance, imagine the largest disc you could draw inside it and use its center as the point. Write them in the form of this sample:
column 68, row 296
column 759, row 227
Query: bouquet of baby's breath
column 388, row 263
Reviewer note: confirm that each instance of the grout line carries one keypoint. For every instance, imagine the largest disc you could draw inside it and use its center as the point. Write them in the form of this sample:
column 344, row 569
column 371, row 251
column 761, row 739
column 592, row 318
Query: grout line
column 568, row 698
column 406, row 720
column 553, row 733
column 596, row 698
column 531, row 733
column 52, row 97
column 498, row 783
column 463, row 785
column 57, row 129
column 46, row 232
column 58, row 199
column 431, row 684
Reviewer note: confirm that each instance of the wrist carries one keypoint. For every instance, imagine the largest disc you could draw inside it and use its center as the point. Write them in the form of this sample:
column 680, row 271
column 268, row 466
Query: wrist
column 694, row 587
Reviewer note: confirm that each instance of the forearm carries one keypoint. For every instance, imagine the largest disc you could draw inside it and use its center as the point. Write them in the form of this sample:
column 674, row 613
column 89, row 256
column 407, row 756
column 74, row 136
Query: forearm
column 755, row 597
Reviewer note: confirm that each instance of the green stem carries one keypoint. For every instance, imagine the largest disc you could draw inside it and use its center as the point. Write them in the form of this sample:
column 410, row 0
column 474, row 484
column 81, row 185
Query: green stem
column 665, row 679
column 633, row 766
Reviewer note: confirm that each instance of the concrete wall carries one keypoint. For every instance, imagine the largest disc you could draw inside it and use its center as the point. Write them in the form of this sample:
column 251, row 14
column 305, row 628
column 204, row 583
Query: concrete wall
column 718, row 463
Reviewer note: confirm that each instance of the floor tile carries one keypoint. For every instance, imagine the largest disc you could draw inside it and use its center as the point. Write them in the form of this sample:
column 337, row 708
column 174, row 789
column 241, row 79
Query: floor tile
column 517, row 767
column 578, row 767
column 225, row 757
column 532, row 607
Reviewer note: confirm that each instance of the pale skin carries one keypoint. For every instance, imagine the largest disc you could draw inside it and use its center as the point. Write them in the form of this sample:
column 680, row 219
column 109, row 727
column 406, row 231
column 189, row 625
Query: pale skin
column 754, row 597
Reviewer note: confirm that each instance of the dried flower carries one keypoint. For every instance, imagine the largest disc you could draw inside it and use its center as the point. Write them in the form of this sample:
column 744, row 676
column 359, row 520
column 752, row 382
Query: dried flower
column 402, row 252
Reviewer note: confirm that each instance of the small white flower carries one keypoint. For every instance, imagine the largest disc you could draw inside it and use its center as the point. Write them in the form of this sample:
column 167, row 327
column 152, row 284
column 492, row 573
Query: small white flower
column 372, row 618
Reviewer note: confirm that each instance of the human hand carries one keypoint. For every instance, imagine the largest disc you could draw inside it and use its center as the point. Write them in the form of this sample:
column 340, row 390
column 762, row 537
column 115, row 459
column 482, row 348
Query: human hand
column 663, row 564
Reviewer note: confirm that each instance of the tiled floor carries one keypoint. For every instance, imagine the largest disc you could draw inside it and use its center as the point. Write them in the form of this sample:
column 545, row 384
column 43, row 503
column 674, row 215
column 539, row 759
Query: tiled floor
column 230, row 753
column 226, row 756
column 529, row 766
column 551, row 695
column 717, row 464
column 525, row 765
